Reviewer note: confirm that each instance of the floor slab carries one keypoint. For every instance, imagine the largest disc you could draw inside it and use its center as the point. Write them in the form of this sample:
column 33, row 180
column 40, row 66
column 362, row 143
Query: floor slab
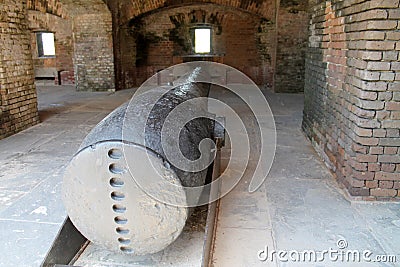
column 299, row 207
column 32, row 164
column 305, row 208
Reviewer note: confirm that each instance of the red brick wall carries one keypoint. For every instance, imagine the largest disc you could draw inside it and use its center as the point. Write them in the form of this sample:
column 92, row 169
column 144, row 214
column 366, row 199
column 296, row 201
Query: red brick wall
column 18, row 104
column 240, row 43
column 53, row 7
column 293, row 20
column 93, row 53
column 154, row 42
column 62, row 29
column 88, row 21
column 250, row 39
column 83, row 38
column 352, row 89
column 125, row 53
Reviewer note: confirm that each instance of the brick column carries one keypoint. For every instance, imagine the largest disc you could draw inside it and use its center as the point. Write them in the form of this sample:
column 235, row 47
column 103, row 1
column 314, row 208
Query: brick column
column 352, row 93
column 291, row 47
column 18, row 103
column 94, row 56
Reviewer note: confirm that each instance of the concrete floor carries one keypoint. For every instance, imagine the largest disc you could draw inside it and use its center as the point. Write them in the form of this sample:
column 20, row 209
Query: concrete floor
column 298, row 208
column 31, row 168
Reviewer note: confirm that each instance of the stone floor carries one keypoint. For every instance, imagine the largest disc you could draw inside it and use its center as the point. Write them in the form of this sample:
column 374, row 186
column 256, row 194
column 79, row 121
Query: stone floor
column 31, row 168
column 298, row 209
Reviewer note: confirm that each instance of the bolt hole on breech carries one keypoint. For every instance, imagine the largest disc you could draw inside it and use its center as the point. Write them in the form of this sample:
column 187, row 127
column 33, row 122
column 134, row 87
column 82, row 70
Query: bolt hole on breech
column 116, row 168
column 116, row 182
column 115, row 153
column 119, row 208
column 120, row 220
column 122, row 230
column 127, row 250
column 124, row 241
column 118, row 196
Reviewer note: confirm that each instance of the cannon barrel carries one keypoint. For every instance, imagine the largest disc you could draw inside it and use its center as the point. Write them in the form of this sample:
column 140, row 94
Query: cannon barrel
column 101, row 196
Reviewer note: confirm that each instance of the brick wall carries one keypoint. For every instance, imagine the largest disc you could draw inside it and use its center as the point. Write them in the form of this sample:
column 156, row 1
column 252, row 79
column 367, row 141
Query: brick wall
column 163, row 38
column 293, row 20
column 240, row 40
column 94, row 57
column 125, row 53
column 62, row 29
column 92, row 50
column 83, row 39
column 18, row 104
column 249, row 39
column 53, row 7
column 352, row 90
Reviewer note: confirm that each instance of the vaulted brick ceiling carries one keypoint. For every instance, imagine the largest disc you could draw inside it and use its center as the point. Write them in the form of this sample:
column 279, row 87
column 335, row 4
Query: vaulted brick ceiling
column 68, row 8
column 132, row 8
column 128, row 9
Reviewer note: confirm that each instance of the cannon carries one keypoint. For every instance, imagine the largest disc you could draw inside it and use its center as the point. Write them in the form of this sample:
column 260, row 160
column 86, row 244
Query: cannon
column 102, row 189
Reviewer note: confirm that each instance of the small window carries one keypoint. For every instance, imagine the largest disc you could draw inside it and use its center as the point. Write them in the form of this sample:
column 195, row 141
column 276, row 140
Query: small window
column 45, row 44
column 202, row 40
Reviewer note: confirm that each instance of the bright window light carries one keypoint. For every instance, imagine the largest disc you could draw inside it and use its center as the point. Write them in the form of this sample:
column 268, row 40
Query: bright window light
column 202, row 40
column 45, row 42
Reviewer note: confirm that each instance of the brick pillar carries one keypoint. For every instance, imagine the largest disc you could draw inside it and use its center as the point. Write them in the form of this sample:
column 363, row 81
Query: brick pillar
column 18, row 103
column 94, row 56
column 126, row 54
column 352, row 104
column 292, row 44
column 266, row 45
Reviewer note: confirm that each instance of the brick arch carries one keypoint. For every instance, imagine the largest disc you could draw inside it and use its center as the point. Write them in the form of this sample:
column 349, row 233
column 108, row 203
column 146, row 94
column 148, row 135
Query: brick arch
column 68, row 8
column 53, row 7
column 130, row 41
column 84, row 7
column 133, row 8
